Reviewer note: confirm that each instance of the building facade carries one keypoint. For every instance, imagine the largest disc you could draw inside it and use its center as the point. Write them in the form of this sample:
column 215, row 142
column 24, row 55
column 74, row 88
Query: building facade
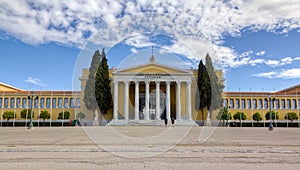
column 15, row 100
column 151, row 92
column 283, row 102
column 145, row 93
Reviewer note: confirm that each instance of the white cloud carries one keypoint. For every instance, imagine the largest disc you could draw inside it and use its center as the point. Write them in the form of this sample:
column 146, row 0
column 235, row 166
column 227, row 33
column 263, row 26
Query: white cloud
column 139, row 41
column 284, row 74
column 109, row 22
column 133, row 50
column 35, row 81
column 261, row 53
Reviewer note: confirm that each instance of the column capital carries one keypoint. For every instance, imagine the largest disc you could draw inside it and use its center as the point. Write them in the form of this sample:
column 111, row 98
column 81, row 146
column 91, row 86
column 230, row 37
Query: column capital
column 147, row 82
column 178, row 82
column 116, row 81
column 126, row 82
column 157, row 82
column 136, row 82
column 168, row 82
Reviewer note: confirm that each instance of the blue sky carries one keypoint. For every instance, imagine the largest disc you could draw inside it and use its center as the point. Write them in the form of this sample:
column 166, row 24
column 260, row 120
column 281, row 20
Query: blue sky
column 45, row 44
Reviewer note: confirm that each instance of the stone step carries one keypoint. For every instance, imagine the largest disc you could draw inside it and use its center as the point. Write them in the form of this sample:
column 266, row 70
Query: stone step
column 124, row 122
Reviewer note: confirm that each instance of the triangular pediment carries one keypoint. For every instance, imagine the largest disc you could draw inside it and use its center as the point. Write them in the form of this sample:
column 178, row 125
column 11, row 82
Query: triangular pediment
column 153, row 68
column 8, row 88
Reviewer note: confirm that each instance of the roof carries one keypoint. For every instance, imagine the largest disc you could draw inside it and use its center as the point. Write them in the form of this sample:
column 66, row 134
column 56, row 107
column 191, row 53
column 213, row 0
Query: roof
column 8, row 88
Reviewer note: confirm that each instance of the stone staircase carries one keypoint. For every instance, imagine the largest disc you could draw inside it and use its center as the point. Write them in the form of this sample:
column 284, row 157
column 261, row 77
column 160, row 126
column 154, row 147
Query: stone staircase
column 123, row 122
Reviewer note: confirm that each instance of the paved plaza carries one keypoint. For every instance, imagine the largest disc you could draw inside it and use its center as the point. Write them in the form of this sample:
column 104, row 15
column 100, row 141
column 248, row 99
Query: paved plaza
column 148, row 147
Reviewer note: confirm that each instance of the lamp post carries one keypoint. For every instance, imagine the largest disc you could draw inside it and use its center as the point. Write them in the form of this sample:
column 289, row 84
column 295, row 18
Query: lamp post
column 32, row 98
column 270, row 99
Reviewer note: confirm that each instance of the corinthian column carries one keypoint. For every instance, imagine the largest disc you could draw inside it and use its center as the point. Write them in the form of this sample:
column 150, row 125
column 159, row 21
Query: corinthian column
column 157, row 100
column 136, row 105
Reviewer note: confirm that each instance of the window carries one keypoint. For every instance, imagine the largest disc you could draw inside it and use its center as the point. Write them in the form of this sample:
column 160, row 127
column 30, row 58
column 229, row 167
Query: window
column 282, row 104
column 12, row 102
column 260, row 103
column 0, row 102
column 66, row 103
column 72, row 102
column 237, row 103
column 18, row 102
column 266, row 104
column 42, row 100
column 78, row 102
column 53, row 102
column 277, row 104
column 231, row 103
column 59, row 102
column 24, row 102
column 254, row 104
column 48, row 102
column 225, row 104
column 249, row 103
column 243, row 104
column 298, row 103
column 6, row 102
column 29, row 103
column 294, row 104
column 288, row 103
column 36, row 103
column 272, row 104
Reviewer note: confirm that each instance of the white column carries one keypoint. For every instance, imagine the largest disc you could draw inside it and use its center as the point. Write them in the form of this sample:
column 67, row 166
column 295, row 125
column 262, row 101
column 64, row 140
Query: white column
column 157, row 100
column 178, row 102
column 136, row 105
column 189, row 103
column 147, row 100
column 126, row 94
column 168, row 101
column 115, row 115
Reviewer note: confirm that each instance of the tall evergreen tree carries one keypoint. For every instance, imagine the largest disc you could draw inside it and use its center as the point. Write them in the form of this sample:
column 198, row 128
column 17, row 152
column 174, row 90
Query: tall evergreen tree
column 102, row 89
column 204, row 89
column 89, row 91
column 216, row 86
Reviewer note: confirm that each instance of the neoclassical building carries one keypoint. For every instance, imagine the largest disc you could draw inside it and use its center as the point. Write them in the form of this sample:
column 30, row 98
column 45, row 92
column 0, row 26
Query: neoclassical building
column 283, row 101
column 150, row 92
column 146, row 94
column 15, row 100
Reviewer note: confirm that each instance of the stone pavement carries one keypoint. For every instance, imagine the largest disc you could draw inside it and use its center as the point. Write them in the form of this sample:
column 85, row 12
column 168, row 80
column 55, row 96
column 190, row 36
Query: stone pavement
column 146, row 147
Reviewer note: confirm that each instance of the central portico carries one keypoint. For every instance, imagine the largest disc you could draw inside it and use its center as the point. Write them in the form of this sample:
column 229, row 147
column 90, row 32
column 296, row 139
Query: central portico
column 151, row 92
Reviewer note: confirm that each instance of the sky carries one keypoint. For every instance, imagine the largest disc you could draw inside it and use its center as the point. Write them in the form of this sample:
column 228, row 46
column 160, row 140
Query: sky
column 44, row 44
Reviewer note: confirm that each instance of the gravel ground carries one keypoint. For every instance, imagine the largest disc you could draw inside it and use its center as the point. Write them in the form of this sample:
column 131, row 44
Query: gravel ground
column 139, row 147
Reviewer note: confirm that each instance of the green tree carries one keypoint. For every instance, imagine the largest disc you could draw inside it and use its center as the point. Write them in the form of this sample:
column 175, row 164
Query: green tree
column 224, row 114
column 291, row 116
column 267, row 116
column 204, row 89
column 257, row 117
column 89, row 91
column 103, row 89
column 63, row 115
column 216, row 85
column 239, row 116
column 44, row 115
column 25, row 112
column 8, row 115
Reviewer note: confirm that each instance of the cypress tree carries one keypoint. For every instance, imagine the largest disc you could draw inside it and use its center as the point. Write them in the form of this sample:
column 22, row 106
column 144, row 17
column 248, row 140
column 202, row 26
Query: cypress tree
column 102, row 89
column 89, row 91
column 204, row 89
column 216, row 87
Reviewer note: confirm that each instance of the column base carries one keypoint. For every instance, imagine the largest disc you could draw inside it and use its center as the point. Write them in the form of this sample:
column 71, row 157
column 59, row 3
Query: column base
column 185, row 123
column 208, row 123
column 95, row 123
